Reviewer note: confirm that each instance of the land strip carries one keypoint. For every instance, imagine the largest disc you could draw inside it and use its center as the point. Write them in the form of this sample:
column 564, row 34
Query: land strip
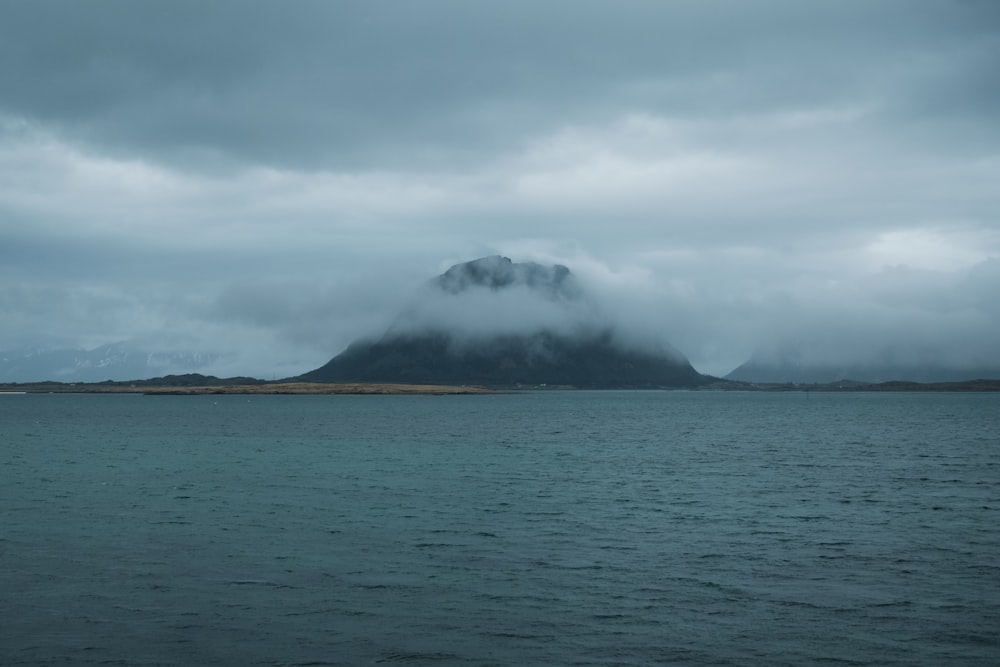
column 318, row 388
column 262, row 388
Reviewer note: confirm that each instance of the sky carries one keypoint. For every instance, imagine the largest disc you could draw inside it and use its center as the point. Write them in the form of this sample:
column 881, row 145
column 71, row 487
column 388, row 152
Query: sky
column 272, row 180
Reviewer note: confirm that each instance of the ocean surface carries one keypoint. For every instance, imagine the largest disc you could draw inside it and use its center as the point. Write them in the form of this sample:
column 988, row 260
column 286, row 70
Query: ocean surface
column 545, row 528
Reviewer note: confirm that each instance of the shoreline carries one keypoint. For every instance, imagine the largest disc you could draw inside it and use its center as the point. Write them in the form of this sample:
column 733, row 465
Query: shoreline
column 309, row 388
column 248, row 386
column 284, row 388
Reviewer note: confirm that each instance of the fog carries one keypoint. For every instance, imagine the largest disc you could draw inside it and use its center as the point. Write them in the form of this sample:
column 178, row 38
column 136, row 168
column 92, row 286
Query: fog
column 268, row 183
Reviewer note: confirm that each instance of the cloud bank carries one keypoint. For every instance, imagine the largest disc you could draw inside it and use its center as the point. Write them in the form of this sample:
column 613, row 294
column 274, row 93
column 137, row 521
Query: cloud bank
column 270, row 182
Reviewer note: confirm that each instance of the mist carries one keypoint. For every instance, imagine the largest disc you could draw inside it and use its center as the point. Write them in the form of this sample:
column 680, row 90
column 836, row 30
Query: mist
column 768, row 179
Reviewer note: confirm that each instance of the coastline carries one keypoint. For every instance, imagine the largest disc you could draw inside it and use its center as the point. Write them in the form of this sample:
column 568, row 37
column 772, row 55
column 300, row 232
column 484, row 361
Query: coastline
column 316, row 388
column 195, row 385
column 301, row 388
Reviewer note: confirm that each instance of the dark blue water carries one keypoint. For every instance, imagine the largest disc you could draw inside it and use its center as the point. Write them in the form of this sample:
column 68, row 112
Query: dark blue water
column 565, row 528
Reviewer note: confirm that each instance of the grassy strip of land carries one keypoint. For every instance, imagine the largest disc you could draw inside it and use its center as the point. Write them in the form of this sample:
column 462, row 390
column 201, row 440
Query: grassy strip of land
column 199, row 384
column 316, row 388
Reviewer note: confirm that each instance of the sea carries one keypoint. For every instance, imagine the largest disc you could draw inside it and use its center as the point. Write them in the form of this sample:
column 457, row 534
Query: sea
column 528, row 528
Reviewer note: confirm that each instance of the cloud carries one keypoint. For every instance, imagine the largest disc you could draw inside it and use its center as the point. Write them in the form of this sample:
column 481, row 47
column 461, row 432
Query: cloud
column 480, row 313
column 720, row 175
column 371, row 84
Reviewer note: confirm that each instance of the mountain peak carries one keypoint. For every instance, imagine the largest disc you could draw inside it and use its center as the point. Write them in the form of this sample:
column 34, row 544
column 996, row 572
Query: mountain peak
column 497, row 273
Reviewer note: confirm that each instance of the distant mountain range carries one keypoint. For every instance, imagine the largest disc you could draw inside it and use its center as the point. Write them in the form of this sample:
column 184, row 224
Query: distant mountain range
column 790, row 371
column 116, row 361
column 455, row 336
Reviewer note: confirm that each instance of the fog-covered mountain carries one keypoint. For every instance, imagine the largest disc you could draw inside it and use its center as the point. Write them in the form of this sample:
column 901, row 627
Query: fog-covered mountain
column 116, row 361
column 783, row 371
column 495, row 322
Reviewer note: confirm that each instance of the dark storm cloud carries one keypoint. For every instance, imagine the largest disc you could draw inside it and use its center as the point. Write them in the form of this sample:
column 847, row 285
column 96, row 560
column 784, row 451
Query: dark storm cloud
column 376, row 83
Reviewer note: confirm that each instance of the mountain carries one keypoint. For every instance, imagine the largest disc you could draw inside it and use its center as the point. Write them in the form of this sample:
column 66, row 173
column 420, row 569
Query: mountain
column 784, row 371
column 497, row 273
column 116, row 361
column 494, row 322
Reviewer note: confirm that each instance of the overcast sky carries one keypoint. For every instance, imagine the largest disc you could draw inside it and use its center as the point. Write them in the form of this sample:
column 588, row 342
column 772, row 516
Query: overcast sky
column 276, row 179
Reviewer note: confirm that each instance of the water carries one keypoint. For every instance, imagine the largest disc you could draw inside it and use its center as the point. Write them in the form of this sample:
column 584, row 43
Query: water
column 564, row 528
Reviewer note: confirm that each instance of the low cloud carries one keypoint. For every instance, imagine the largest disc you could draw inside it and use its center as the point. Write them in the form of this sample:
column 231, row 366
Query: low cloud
column 718, row 176
column 482, row 313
